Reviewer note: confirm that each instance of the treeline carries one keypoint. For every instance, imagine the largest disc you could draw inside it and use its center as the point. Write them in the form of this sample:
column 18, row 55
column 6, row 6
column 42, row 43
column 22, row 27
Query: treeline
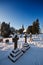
column 34, row 28
column 6, row 30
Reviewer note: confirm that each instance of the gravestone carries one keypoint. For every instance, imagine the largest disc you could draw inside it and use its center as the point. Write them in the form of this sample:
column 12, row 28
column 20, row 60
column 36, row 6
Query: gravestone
column 31, row 37
column 16, row 53
column 15, row 40
column 25, row 38
column 26, row 45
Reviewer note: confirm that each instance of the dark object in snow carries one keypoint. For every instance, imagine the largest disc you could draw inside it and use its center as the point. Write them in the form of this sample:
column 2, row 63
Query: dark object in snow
column 7, row 41
column 1, row 40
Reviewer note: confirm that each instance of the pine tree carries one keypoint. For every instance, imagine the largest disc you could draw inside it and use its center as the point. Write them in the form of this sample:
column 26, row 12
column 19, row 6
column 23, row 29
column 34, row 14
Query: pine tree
column 5, row 29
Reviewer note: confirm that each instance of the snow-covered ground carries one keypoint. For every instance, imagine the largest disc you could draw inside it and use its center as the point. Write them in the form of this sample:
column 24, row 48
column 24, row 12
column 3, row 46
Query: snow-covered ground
column 34, row 56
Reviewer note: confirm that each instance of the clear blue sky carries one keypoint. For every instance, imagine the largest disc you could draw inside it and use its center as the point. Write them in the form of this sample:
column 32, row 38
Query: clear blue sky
column 19, row 12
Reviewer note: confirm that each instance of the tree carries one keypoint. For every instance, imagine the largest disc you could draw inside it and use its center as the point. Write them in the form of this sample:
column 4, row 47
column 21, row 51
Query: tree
column 20, row 31
column 22, row 27
column 29, row 29
column 12, row 30
column 36, row 27
column 5, row 29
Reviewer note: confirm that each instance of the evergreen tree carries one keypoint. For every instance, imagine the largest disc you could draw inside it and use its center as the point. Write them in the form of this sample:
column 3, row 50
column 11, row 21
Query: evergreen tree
column 29, row 29
column 21, row 29
column 36, row 28
column 5, row 29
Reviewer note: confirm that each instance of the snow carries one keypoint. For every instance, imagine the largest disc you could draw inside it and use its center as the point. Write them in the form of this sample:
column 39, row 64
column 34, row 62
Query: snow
column 33, row 56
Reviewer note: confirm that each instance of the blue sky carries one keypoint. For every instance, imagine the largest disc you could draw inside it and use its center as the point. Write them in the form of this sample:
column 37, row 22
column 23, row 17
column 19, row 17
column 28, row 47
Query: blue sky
column 19, row 12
